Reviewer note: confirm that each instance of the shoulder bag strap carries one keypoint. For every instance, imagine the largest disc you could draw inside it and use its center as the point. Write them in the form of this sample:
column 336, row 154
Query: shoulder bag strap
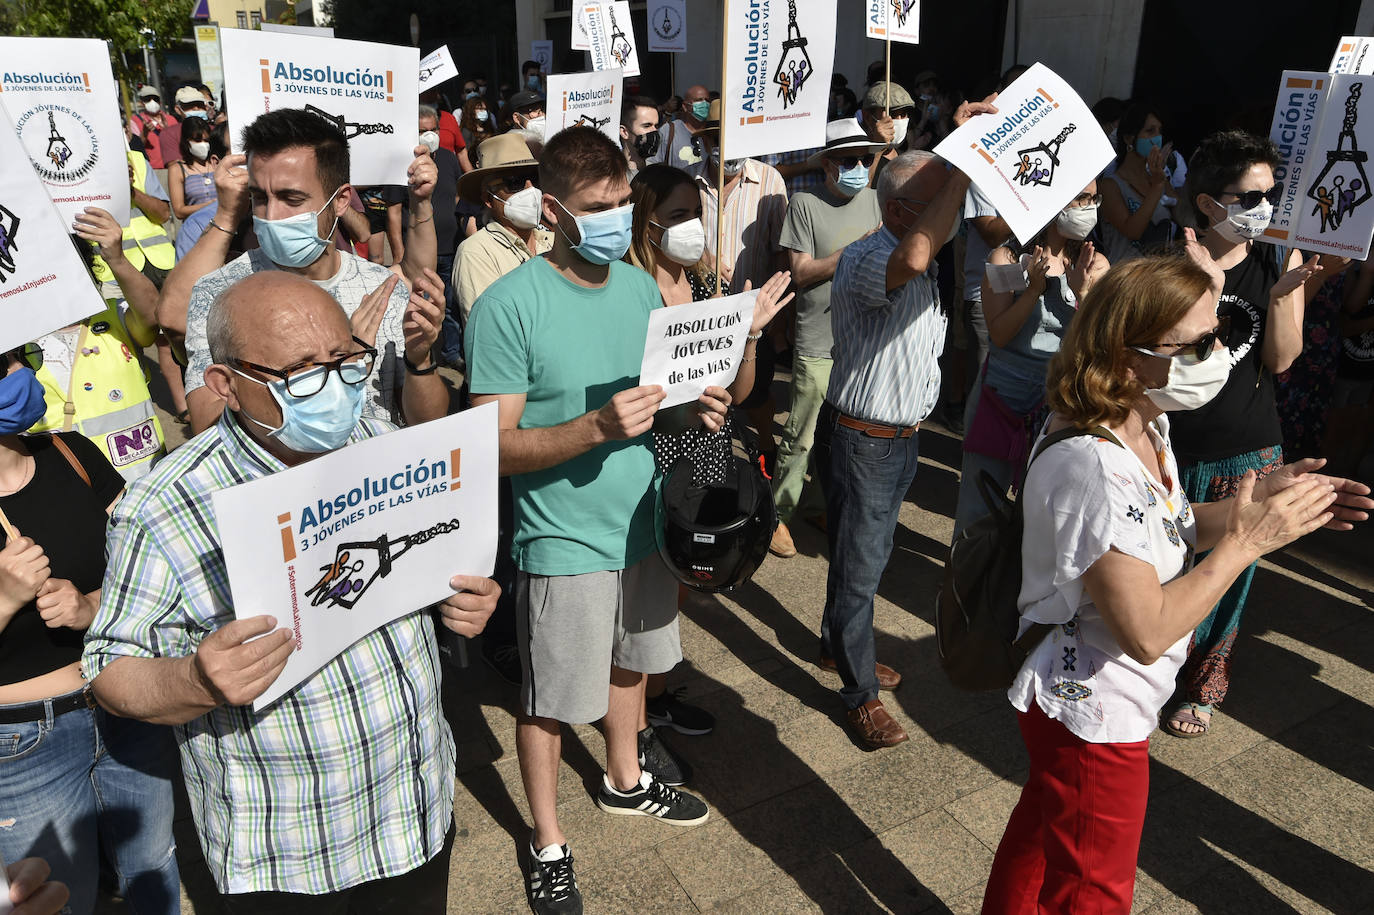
column 71, row 458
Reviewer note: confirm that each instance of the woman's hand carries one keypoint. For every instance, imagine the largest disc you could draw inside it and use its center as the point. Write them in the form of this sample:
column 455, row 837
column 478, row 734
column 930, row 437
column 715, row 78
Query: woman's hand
column 1352, row 497
column 62, row 605
column 770, row 299
column 1086, row 270
column 97, row 225
column 1262, row 525
column 23, row 570
column 1199, row 255
column 1154, row 170
column 1038, row 269
column 712, row 407
column 1293, row 280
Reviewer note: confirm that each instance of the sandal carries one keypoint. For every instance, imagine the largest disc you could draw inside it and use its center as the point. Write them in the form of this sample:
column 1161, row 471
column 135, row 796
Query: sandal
column 1187, row 714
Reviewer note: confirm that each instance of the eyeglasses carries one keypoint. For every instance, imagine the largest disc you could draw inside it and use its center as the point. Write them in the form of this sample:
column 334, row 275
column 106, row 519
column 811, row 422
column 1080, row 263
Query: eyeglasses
column 1086, row 200
column 309, row 379
column 509, row 183
column 848, row 162
column 1198, row 350
column 1251, row 199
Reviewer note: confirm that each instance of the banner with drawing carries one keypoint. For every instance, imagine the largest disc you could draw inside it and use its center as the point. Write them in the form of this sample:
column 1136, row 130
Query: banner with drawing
column 436, row 67
column 778, row 61
column 612, row 36
column 901, row 18
column 667, row 25
column 584, row 100
column 691, row 347
column 1297, row 115
column 368, row 91
column 60, row 93
column 1352, row 56
column 1034, row 156
column 342, row 545
column 43, row 283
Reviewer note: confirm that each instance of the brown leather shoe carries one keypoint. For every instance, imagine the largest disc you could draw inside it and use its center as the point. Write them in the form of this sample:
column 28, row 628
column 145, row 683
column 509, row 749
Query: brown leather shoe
column 874, row 727
column 888, row 678
column 782, row 545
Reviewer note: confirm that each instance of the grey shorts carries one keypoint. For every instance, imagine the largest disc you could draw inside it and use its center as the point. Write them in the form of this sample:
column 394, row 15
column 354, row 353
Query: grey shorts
column 572, row 628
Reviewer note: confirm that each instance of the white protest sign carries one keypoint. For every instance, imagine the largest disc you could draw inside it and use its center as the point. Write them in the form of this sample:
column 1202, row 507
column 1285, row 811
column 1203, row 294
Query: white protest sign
column 584, row 100
column 541, row 52
column 436, row 67
column 1035, row 155
column 342, row 545
column 1297, row 115
column 778, row 61
column 1335, row 218
column 43, row 283
column 667, row 25
column 369, row 91
column 900, row 17
column 61, row 95
column 581, row 38
column 612, row 37
column 691, row 347
column 208, row 57
column 1352, row 55
column 315, row 31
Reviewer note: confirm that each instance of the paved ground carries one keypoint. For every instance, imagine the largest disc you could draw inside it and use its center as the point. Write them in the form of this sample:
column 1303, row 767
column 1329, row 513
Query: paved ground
column 1271, row 812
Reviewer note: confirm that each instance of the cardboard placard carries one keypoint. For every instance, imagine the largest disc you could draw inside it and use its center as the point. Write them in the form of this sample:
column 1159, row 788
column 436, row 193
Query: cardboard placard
column 667, row 25
column 612, row 36
column 314, row 31
column 339, row 546
column 693, row 346
column 1337, row 216
column 1353, row 56
column 436, row 67
column 899, row 18
column 208, row 56
column 581, row 38
column 542, row 53
column 60, row 94
column 584, row 100
column 1297, row 115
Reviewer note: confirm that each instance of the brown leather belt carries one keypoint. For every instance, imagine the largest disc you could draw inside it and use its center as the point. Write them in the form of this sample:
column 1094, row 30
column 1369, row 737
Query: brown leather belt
column 876, row 430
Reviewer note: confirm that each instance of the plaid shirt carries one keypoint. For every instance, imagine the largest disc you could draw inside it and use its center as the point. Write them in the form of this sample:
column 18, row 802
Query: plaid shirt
column 345, row 779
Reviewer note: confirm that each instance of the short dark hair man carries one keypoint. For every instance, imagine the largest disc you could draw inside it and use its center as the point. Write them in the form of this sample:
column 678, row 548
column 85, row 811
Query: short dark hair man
column 639, row 134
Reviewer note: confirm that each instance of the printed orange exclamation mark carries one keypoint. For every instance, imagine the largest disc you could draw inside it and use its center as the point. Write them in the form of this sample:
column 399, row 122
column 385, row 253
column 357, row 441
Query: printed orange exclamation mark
column 974, row 147
column 87, row 80
column 1047, row 96
column 266, row 77
column 288, row 543
column 455, row 463
column 388, row 85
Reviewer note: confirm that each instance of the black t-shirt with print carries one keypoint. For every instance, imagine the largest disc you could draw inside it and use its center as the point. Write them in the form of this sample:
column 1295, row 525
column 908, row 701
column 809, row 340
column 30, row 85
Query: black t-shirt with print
column 1243, row 417
column 1357, row 351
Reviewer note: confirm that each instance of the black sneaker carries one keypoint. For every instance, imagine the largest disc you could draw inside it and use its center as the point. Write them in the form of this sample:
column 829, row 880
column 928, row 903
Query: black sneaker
column 504, row 659
column 653, row 799
column 552, row 885
column 655, row 757
column 666, row 710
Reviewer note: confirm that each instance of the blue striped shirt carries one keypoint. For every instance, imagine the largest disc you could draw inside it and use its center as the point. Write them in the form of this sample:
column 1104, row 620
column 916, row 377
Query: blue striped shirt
column 886, row 344
column 345, row 779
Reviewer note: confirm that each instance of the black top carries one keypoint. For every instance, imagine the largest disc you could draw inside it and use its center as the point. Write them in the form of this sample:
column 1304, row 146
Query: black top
column 67, row 519
column 707, row 450
column 445, row 203
column 1357, row 352
column 1243, row 417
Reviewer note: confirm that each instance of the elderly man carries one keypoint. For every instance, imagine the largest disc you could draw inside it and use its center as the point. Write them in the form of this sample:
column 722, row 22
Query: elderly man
column 676, row 146
column 339, row 796
column 889, row 331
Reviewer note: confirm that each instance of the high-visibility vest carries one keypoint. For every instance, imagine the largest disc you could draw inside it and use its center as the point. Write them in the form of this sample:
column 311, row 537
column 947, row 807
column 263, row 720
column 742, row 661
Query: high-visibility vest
column 107, row 397
column 144, row 240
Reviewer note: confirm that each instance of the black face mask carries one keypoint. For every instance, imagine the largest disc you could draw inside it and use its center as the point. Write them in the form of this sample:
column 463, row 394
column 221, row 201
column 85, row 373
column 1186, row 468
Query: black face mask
column 647, row 144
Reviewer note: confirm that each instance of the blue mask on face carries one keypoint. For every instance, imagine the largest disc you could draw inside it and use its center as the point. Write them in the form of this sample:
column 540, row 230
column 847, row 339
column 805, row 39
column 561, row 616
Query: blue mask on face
column 198, row 113
column 318, row 423
column 293, row 241
column 533, row 83
column 1144, row 146
column 605, row 236
column 21, row 401
column 853, row 180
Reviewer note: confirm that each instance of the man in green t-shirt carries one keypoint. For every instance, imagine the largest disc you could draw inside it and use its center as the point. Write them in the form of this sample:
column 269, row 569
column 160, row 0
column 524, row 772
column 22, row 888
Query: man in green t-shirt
column 557, row 343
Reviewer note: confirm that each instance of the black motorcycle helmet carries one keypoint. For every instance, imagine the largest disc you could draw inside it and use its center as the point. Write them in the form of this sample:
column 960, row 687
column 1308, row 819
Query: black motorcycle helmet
column 713, row 534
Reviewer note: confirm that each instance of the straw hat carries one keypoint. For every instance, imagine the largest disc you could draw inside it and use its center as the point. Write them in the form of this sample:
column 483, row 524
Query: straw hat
column 500, row 155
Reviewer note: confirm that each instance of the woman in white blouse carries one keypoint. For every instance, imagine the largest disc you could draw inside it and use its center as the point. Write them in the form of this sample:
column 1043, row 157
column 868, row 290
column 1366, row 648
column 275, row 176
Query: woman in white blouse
column 1108, row 559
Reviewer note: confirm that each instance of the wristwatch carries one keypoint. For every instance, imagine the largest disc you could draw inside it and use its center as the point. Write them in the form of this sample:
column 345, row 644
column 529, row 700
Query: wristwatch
column 411, row 368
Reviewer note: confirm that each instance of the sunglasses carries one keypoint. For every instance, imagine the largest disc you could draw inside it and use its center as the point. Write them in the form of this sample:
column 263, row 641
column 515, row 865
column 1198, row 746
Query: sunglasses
column 1251, row 199
column 509, row 183
column 848, row 162
column 1198, row 350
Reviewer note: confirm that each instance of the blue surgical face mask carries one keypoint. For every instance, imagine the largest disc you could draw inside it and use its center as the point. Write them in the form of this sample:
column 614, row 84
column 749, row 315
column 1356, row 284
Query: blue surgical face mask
column 701, row 110
column 21, row 401
column 605, row 236
column 1144, row 146
column 293, row 241
column 853, row 180
column 481, row 114
column 471, row 93
column 198, row 113
column 533, row 82
column 315, row 424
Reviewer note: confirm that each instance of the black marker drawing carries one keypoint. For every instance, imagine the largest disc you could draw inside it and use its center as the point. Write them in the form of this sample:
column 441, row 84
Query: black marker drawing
column 58, row 150
column 620, row 45
column 344, row 126
column 1348, row 186
column 792, row 75
column 1038, row 162
column 9, row 227
column 358, row 564
column 589, row 121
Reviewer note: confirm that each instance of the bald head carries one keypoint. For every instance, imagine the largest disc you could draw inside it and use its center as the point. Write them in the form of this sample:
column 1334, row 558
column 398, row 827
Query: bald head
column 275, row 318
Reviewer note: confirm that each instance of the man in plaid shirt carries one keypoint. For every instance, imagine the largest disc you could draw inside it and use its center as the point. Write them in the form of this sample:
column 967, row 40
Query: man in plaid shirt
column 344, row 787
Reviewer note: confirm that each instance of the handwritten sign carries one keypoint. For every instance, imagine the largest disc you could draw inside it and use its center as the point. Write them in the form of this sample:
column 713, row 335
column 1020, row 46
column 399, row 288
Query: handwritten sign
column 368, row 91
column 61, row 97
column 344, row 544
column 585, row 100
column 612, row 37
column 691, row 347
column 436, row 67
column 43, row 283
column 1035, row 155
column 898, row 19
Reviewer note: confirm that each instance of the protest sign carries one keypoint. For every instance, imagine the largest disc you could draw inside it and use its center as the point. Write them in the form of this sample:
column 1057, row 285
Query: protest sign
column 1297, row 115
column 612, row 37
column 1035, row 155
column 541, row 52
column 436, row 67
column 61, row 95
column 43, row 283
column 207, row 55
column 898, row 19
column 1352, row 56
column 584, row 100
column 691, row 347
column 1335, row 185
column 581, row 40
column 342, row 545
column 315, row 31
column 369, row 91
column 778, row 61
column 667, row 25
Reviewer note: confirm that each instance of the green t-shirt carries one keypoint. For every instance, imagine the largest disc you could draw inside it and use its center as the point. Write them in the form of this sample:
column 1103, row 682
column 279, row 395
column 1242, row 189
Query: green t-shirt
column 569, row 349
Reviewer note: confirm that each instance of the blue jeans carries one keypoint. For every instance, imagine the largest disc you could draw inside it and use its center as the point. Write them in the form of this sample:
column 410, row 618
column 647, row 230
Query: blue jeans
column 451, row 334
column 867, row 480
column 86, row 787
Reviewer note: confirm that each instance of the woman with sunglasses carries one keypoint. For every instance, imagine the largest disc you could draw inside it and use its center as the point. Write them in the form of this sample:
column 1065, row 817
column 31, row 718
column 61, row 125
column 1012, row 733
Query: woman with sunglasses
column 1111, row 577
column 1025, row 328
column 1231, row 192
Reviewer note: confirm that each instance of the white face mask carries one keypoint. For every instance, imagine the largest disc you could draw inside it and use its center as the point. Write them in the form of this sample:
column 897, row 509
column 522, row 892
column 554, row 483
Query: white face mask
column 683, row 243
column 1076, row 222
column 1241, row 226
column 524, row 207
column 899, row 126
column 534, row 128
column 1191, row 384
column 151, row 106
column 430, row 141
column 200, row 149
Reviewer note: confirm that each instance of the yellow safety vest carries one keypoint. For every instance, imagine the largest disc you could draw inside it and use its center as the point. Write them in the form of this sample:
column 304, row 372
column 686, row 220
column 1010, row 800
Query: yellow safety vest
column 144, row 240
column 107, row 397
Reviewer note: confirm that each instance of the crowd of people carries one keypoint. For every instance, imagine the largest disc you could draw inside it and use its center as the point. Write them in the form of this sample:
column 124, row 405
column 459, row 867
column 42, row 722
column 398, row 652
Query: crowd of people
column 1137, row 359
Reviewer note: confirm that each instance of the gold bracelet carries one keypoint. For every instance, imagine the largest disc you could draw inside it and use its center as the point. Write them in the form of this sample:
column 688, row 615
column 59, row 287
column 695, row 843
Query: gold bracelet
column 419, row 222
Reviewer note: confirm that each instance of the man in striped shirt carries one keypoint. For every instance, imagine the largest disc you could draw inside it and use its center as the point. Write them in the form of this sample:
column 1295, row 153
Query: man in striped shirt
column 340, row 794
column 889, row 331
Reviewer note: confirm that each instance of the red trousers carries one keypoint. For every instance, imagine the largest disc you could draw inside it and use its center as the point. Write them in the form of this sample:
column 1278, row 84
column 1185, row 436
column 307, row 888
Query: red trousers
column 1072, row 841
